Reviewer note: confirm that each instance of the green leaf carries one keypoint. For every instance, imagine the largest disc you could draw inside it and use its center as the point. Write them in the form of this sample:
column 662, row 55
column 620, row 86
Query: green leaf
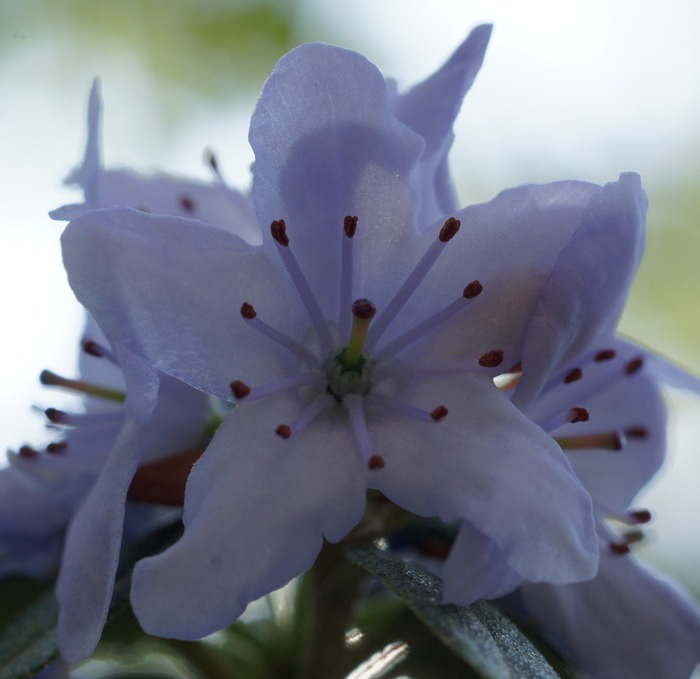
column 479, row 634
column 28, row 641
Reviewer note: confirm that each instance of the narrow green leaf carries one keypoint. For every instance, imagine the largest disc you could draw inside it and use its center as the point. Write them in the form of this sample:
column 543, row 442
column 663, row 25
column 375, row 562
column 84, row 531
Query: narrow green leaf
column 479, row 634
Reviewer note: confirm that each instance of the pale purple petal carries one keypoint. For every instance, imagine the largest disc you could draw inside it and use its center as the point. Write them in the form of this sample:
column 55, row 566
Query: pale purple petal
column 171, row 289
column 627, row 623
column 583, row 299
column 326, row 146
column 430, row 108
column 536, row 219
column 476, row 569
column 91, row 553
column 488, row 464
column 256, row 510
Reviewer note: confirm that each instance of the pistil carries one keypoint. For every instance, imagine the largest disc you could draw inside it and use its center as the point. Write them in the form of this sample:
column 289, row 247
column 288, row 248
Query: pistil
column 351, row 358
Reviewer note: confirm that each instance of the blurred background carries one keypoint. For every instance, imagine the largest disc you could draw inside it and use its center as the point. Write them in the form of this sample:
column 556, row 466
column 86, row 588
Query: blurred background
column 568, row 90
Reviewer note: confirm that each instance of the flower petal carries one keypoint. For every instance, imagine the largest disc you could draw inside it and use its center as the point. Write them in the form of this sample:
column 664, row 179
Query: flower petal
column 627, row 623
column 492, row 467
column 326, row 146
column 170, row 290
column 256, row 510
column 91, row 553
column 430, row 108
column 583, row 299
column 476, row 569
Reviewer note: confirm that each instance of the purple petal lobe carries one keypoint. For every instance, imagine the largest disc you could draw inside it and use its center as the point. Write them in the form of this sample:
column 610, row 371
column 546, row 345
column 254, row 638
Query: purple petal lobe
column 256, row 510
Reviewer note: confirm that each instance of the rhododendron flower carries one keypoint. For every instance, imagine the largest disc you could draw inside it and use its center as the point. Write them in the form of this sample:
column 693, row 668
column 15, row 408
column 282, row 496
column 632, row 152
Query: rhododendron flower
column 359, row 341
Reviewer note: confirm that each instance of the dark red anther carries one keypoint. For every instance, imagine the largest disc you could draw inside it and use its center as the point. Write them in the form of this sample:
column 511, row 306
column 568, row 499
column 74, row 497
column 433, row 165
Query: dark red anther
column 92, row 348
column 187, row 204
column 605, row 355
column 634, row 366
column 56, row 447
column 619, row 548
column 363, row 309
column 573, row 375
column 637, row 432
column 248, row 311
column 350, row 226
column 375, row 462
column 239, row 389
column 491, row 359
column 284, row 431
column 278, row 229
column 54, row 415
column 578, row 415
column 449, row 229
column 640, row 516
column 28, row 452
column 473, row 289
column 439, row 413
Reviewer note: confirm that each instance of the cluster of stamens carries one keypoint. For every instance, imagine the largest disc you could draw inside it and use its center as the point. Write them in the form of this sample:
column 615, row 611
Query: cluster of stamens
column 348, row 375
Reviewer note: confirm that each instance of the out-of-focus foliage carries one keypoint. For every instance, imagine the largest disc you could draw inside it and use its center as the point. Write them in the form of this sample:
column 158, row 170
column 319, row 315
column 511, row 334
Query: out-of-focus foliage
column 209, row 47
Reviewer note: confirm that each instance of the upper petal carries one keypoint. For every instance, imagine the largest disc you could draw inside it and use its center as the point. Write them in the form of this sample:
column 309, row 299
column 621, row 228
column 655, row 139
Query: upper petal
column 326, row 146
column 583, row 298
column 430, row 108
column 626, row 623
column 256, row 510
column 170, row 290
column 488, row 464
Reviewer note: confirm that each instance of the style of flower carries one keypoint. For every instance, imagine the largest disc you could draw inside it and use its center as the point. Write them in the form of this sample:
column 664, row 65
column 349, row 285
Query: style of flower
column 359, row 348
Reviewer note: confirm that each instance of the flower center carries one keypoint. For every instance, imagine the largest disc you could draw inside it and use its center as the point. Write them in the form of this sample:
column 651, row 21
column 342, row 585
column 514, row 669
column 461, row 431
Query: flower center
column 348, row 376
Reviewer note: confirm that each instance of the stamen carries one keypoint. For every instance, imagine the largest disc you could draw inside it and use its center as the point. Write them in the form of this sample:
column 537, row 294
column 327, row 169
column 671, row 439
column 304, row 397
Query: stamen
column 28, row 452
column 56, row 416
column 639, row 516
column 346, row 274
column 278, row 230
column 310, row 413
column 611, row 440
column 578, row 415
column 248, row 312
column 51, row 379
column 98, row 351
column 491, row 359
column 620, row 548
column 634, row 366
column 605, row 355
column 431, row 416
column 187, row 204
column 241, row 390
column 354, row 404
column 363, row 311
column 57, row 447
column 573, row 376
column 637, row 432
column 571, row 416
column 471, row 291
column 413, row 280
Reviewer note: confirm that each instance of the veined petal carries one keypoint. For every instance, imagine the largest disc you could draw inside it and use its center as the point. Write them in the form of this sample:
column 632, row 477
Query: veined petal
column 538, row 219
column 634, row 407
column 492, row 467
column 170, row 290
column 476, row 569
column 326, row 146
column 584, row 296
column 256, row 510
column 91, row 553
column 430, row 108
column 626, row 623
